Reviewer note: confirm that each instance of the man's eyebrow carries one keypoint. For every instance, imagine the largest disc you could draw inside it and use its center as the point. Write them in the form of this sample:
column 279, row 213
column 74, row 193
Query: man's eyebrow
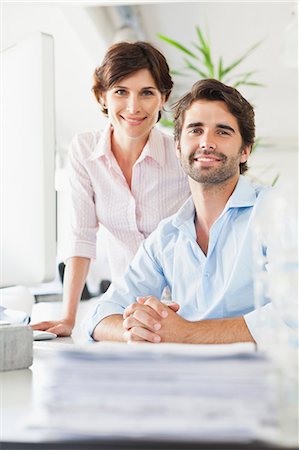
column 195, row 124
column 223, row 126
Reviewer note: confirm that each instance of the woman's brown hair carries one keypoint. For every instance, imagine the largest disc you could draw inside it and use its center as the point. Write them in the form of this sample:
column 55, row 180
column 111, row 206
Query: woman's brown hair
column 123, row 59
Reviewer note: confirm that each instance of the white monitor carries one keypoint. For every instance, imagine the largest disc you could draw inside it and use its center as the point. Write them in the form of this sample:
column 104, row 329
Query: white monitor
column 28, row 199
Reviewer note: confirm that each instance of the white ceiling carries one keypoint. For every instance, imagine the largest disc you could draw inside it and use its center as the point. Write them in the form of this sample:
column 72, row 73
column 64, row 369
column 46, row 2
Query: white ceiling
column 83, row 31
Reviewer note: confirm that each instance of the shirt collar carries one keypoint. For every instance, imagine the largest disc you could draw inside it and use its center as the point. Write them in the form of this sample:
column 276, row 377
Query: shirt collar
column 244, row 194
column 185, row 213
column 152, row 149
column 103, row 147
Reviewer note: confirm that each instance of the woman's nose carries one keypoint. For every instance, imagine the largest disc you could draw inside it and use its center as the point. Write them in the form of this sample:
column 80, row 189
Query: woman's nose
column 133, row 104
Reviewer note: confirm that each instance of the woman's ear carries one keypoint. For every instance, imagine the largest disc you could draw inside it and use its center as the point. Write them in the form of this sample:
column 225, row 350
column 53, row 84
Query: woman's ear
column 102, row 99
column 178, row 149
column 163, row 101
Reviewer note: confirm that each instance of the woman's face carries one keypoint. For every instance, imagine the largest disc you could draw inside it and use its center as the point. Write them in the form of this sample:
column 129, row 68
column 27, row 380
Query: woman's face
column 133, row 104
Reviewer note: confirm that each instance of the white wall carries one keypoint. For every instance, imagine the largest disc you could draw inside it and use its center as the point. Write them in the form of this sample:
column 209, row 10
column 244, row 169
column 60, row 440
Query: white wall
column 76, row 108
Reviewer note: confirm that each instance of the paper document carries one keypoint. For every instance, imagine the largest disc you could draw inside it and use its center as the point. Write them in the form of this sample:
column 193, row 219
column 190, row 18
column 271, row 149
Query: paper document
column 165, row 391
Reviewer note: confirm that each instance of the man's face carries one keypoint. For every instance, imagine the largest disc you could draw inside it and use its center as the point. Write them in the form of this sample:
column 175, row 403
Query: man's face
column 210, row 148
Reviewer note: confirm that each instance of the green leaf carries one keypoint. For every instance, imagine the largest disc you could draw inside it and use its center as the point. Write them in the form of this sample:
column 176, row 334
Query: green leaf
column 177, row 45
column 275, row 180
column 166, row 123
column 244, row 75
column 239, row 60
column 203, row 42
column 178, row 73
column 206, row 51
column 220, row 68
column 207, row 61
column 195, row 69
column 248, row 83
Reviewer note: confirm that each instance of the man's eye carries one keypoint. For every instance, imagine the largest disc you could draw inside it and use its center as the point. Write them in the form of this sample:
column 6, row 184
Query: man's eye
column 194, row 131
column 223, row 133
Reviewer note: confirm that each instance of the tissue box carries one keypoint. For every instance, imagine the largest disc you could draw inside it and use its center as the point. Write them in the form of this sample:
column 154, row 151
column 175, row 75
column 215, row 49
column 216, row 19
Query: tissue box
column 16, row 347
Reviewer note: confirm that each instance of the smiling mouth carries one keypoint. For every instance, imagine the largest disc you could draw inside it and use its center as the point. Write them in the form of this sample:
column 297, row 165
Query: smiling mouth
column 133, row 120
column 203, row 158
column 206, row 158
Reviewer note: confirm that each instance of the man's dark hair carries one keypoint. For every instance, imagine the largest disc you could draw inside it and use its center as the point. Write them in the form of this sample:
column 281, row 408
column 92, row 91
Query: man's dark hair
column 213, row 90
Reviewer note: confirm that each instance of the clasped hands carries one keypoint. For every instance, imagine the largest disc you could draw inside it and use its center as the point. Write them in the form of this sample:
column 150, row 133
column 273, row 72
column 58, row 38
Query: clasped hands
column 151, row 320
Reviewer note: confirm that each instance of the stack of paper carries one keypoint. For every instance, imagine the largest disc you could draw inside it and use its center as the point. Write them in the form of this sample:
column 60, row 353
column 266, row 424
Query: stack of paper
column 166, row 391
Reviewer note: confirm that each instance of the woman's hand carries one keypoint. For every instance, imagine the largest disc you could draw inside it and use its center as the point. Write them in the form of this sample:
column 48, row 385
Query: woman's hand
column 62, row 327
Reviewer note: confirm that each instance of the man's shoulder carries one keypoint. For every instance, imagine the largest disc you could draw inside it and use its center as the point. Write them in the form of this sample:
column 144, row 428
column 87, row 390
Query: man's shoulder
column 169, row 228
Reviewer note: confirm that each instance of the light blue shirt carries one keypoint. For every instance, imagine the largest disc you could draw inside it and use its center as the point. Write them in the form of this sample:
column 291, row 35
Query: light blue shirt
column 216, row 285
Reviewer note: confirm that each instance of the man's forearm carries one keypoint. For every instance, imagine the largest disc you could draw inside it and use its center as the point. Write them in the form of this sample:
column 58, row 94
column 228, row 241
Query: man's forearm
column 217, row 331
column 109, row 329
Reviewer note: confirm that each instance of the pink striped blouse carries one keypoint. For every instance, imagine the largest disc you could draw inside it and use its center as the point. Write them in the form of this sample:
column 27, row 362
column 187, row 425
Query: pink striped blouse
column 100, row 195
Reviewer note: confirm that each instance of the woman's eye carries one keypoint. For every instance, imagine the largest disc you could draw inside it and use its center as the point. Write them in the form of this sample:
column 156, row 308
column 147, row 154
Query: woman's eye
column 120, row 92
column 147, row 93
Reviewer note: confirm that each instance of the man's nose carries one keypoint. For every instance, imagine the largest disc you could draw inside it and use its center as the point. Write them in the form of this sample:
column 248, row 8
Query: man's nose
column 207, row 142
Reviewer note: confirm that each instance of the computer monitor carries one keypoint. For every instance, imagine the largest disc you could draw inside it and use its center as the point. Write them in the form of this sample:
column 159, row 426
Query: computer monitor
column 28, row 199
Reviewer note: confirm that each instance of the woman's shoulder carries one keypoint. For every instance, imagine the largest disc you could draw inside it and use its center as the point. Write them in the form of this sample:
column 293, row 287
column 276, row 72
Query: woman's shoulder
column 84, row 143
column 164, row 135
column 87, row 138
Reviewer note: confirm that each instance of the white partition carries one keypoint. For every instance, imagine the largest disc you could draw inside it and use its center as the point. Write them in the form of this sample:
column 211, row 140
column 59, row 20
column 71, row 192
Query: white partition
column 28, row 211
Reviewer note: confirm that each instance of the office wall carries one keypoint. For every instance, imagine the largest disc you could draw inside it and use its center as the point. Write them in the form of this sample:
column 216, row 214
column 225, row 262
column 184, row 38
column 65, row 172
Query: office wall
column 76, row 109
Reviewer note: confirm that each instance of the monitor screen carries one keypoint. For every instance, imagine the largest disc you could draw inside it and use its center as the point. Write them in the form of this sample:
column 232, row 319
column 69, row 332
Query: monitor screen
column 28, row 199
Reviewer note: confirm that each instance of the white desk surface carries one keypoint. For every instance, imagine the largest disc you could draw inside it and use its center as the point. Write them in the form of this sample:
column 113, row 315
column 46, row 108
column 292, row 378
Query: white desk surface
column 20, row 388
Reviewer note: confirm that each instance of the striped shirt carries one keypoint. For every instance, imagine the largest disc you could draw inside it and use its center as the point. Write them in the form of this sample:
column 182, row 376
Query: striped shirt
column 101, row 196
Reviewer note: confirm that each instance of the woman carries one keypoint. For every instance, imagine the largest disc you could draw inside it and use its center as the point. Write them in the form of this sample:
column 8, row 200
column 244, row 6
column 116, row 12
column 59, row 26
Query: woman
column 127, row 178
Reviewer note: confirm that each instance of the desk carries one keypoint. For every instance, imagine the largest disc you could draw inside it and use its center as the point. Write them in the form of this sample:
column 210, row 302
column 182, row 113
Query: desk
column 21, row 388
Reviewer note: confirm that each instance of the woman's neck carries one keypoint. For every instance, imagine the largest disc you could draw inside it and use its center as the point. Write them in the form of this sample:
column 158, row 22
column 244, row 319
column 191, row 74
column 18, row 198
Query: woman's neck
column 127, row 150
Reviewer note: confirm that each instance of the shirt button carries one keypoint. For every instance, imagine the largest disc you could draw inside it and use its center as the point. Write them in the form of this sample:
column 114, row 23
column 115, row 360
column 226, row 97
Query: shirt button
column 207, row 274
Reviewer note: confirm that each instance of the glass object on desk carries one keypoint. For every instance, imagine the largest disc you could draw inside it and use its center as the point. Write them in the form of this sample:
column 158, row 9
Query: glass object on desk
column 275, row 252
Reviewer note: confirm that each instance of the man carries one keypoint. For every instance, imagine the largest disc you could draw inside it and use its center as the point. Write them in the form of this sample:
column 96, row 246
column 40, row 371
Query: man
column 203, row 252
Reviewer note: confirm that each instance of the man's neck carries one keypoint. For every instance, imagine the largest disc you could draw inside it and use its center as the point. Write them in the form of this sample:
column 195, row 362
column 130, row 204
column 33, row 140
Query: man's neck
column 209, row 202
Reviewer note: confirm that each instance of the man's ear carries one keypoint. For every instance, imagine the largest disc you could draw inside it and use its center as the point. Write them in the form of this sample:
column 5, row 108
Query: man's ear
column 178, row 149
column 245, row 153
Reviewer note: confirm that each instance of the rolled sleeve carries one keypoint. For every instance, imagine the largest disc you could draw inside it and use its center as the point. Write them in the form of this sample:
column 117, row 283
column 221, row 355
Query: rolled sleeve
column 259, row 322
column 143, row 277
column 102, row 310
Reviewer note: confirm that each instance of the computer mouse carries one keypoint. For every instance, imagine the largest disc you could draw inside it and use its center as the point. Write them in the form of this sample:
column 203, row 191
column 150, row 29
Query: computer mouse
column 39, row 335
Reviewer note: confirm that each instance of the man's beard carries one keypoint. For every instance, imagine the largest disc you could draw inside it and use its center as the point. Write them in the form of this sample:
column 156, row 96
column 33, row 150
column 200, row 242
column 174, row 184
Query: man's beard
column 226, row 168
